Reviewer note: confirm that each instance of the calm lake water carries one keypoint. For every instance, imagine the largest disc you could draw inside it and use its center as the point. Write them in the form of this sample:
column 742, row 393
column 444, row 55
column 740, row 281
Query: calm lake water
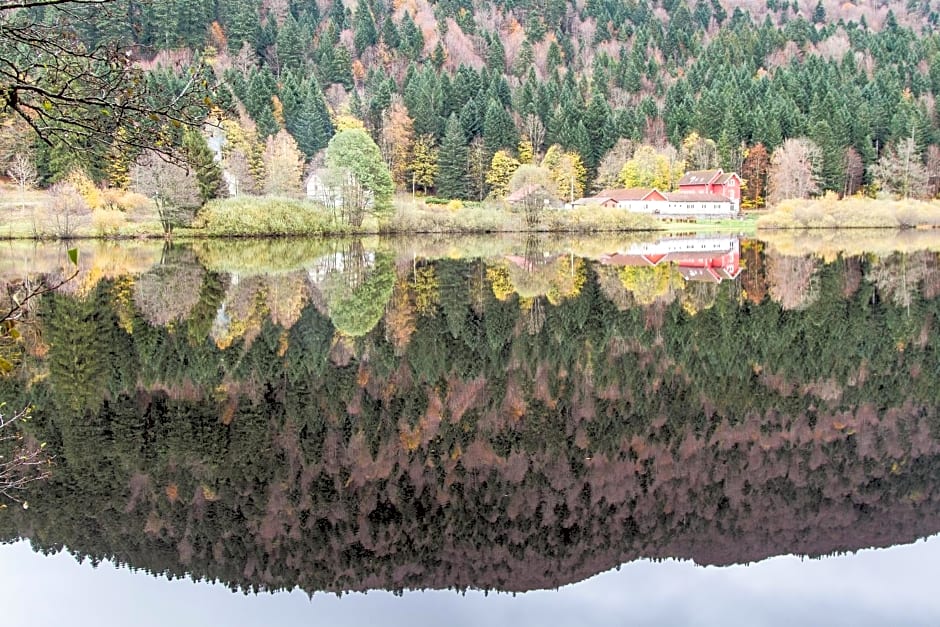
column 614, row 430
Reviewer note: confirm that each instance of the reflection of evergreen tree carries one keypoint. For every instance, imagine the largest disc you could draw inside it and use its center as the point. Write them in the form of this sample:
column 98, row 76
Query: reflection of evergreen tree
column 81, row 353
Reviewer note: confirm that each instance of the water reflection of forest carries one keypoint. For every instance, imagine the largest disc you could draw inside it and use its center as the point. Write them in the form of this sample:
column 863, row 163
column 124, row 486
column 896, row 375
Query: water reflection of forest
column 371, row 418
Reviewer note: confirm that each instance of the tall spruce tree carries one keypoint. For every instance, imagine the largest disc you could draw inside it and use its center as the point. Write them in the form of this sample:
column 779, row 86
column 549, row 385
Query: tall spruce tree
column 499, row 131
column 201, row 158
column 305, row 114
column 451, row 181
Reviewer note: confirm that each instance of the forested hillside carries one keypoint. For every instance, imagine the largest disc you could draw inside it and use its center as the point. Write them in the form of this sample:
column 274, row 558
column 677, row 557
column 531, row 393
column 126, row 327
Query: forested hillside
column 444, row 86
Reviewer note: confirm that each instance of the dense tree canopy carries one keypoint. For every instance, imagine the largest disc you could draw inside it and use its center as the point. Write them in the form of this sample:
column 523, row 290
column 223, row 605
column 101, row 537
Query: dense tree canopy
column 853, row 79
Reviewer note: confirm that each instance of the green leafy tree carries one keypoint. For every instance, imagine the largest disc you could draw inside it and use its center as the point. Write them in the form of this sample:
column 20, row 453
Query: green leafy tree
column 358, row 170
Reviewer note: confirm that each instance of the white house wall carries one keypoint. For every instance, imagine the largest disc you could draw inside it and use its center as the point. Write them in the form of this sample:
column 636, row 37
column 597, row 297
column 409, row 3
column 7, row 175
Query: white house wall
column 639, row 206
column 685, row 208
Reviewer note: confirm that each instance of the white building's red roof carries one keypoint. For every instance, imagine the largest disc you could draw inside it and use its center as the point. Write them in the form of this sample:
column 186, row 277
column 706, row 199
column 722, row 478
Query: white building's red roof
column 700, row 177
column 694, row 197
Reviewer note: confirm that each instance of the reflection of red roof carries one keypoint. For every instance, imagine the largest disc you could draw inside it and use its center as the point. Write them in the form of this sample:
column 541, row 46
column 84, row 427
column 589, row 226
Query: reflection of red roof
column 632, row 193
column 528, row 263
column 700, row 177
column 707, row 275
column 693, row 265
column 621, row 259
column 694, row 197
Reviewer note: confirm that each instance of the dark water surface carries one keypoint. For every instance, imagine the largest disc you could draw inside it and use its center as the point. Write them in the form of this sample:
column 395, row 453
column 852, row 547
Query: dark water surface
column 511, row 416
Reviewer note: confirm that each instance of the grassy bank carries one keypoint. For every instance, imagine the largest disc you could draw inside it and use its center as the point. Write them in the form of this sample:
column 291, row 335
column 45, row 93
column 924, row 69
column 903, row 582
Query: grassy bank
column 246, row 216
column 851, row 213
column 32, row 216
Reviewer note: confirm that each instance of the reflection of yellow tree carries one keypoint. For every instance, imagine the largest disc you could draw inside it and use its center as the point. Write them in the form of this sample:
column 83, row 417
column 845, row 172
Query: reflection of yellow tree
column 426, row 290
column 649, row 285
column 288, row 294
column 400, row 317
column 699, row 296
column 106, row 260
column 245, row 308
column 570, row 275
column 502, row 286
column 532, row 281
column 122, row 295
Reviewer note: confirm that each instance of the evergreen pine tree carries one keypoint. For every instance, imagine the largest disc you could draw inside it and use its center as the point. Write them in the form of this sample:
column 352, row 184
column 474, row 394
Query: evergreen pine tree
column 305, row 114
column 390, row 33
column 364, row 32
column 243, row 25
column 201, row 158
column 499, row 131
column 451, row 181
column 290, row 44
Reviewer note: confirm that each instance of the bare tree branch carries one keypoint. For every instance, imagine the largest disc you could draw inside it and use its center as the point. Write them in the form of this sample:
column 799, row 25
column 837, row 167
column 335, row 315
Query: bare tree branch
column 70, row 93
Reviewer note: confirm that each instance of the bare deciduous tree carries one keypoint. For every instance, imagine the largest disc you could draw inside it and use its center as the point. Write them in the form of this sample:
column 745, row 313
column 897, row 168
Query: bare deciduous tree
column 794, row 169
column 65, row 209
column 25, row 462
column 23, row 171
column 933, row 170
column 533, row 130
column 854, row 172
column 283, row 165
column 532, row 188
column 237, row 173
column 901, row 170
column 611, row 164
column 173, row 188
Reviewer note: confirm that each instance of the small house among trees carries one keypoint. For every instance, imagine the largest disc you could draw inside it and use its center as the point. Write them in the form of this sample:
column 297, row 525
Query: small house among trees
column 320, row 188
column 702, row 193
column 638, row 199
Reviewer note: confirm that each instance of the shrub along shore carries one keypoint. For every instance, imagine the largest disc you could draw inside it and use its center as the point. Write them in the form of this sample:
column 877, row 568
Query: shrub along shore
column 248, row 216
column 251, row 216
column 855, row 212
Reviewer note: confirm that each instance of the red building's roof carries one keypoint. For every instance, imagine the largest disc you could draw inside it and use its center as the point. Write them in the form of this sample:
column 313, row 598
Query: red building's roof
column 632, row 193
column 700, row 177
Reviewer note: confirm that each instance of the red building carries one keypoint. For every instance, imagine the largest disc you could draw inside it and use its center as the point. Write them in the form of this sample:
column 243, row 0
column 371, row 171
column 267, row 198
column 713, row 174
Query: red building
column 715, row 182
